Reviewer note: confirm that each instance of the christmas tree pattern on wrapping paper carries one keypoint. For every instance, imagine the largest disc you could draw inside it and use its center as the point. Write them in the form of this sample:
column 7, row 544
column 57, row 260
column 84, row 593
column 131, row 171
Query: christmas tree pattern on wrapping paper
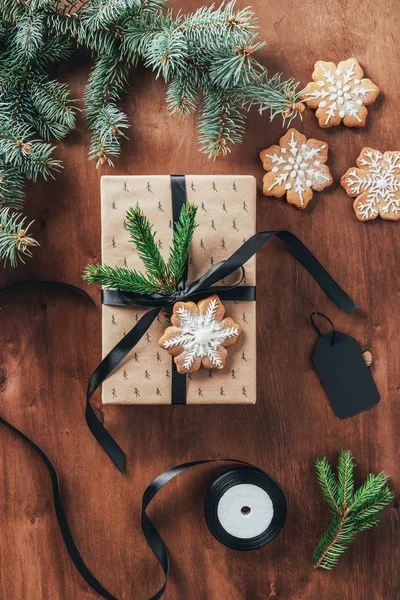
column 152, row 383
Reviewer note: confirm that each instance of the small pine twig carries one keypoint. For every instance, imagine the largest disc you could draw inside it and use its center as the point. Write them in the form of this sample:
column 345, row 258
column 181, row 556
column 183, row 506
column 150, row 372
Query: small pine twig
column 274, row 95
column 159, row 278
column 143, row 236
column 123, row 279
column 15, row 243
column 353, row 512
column 183, row 235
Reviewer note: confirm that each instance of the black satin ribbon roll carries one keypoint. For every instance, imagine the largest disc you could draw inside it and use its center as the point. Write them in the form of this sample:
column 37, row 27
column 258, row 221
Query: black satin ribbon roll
column 255, row 474
column 239, row 477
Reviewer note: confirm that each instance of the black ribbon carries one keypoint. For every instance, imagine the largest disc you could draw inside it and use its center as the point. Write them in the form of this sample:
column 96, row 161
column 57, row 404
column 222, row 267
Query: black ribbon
column 151, row 534
column 201, row 288
column 69, row 542
column 58, row 505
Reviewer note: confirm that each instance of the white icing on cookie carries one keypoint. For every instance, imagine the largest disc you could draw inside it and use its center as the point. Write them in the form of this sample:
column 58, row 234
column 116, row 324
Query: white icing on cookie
column 380, row 179
column 341, row 93
column 201, row 335
column 300, row 169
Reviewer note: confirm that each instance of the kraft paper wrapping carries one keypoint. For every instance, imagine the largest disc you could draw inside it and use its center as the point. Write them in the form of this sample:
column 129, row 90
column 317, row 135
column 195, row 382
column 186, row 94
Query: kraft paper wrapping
column 226, row 218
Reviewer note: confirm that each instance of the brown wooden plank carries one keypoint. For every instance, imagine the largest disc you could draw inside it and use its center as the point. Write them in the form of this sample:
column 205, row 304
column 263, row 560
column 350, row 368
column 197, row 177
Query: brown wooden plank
column 51, row 344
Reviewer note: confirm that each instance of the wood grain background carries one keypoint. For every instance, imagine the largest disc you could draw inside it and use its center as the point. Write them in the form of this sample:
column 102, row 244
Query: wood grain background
column 51, row 344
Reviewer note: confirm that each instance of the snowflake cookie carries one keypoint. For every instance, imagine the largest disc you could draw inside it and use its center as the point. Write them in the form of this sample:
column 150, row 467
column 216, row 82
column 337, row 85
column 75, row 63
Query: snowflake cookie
column 339, row 93
column 296, row 168
column 376, row 183
column 199, row 335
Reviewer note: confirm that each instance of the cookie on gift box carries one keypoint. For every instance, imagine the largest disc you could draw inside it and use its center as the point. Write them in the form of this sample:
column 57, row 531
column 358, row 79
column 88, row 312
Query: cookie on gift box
column 199, row 335
column 340, row 94
column 296, row 168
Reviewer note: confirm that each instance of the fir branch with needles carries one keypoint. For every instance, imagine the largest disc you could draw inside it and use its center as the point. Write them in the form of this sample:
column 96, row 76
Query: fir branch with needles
column 15, row 241
column 144, row 238
column 159, row 277
column 182, row 238
column 207, row 58
column 353, row 512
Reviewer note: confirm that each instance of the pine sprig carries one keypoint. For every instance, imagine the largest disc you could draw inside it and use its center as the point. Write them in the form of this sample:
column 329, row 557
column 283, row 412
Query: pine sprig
column 327, row 481
column 345, row 478
column 272, row 94
column 159, row 277
column 144, row 238
column 182, row 238
column 15, row 241
column 123, row 279
column 353, row 512
column 106, row 121
column 222, row 122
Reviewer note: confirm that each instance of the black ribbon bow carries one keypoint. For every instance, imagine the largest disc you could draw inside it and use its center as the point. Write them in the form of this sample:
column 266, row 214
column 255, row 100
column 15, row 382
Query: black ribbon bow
column 201, row 288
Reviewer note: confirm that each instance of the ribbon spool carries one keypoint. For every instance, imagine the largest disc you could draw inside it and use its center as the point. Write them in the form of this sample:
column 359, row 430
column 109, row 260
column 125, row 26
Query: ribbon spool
column 245, row 509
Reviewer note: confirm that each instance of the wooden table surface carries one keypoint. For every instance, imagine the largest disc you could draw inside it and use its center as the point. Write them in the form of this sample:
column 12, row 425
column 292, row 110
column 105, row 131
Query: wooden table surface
column 51, row 343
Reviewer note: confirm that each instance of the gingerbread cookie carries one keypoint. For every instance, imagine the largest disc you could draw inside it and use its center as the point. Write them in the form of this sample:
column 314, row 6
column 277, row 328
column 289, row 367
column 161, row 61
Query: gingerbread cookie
column 296, row 168
column 199, row 335
column 339, row 93
column 376, row 183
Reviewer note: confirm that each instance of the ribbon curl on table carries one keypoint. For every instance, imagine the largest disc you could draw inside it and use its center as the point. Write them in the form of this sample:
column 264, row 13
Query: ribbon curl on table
column 201, row 288
column 151, row 534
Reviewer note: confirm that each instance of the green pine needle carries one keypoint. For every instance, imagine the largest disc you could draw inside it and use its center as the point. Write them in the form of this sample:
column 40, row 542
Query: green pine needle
column 144, row 238
column 15, row 243
column 353, row 512
column 123, row 279
column 183, row 235
column 159, row 277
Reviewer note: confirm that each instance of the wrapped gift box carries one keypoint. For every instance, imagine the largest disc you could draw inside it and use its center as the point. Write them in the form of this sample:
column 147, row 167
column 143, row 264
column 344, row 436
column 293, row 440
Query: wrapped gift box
column 226, row 217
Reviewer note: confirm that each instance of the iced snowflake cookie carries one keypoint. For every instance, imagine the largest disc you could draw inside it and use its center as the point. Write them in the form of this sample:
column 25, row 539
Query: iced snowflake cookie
column 199, row 335
column 296, row 168
column 376, row 183
column 339, row 93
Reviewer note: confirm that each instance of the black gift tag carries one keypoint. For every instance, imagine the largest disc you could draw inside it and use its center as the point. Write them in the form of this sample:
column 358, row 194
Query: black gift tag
column 343, row 372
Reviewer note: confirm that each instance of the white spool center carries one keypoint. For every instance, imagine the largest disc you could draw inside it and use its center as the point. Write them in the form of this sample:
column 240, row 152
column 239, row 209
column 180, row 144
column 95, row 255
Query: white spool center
column 245, row 510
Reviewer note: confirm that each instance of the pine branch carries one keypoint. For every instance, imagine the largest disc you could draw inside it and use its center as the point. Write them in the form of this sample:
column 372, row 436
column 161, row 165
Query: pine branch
column 221, row 122
column 54, row 113
column 11, row 186
column 367, row 492
column 273, row 95
column 159, row 277
column 183, row 94
column 15, row 243
column 353, row 512
column 327, row 481
column 182, row 238
column 345, row 477
column 123, row 279
column 105, row 120
column 143, row 236
column 30, row 156
column 30, row 33
column 207, row 57
column 333, row 543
